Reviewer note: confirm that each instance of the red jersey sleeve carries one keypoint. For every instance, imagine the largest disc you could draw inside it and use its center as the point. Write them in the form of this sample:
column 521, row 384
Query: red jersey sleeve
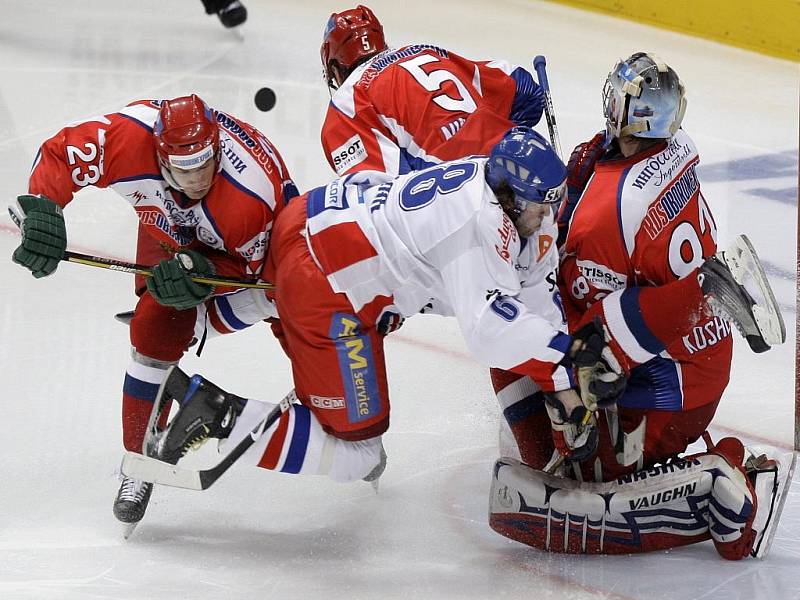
column 95, row 152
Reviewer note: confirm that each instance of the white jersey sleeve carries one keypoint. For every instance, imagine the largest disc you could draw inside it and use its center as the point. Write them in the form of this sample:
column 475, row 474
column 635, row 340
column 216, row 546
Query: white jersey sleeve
column 500, row 327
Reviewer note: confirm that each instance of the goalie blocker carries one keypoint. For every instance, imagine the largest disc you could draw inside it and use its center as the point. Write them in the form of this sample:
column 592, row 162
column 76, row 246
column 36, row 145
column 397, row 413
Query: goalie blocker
column 714, row 495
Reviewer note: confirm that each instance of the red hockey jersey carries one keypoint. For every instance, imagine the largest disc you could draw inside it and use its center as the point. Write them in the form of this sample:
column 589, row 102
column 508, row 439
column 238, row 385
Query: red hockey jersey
column 410, row 108
column 117, row 151
column 641, row 222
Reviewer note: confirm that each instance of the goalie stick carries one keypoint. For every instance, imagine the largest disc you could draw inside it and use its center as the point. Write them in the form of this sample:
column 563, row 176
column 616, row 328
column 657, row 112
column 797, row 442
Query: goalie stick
column 147, row 468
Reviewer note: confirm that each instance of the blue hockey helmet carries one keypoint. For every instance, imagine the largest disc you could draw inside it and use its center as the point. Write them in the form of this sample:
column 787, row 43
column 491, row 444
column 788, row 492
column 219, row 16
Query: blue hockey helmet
column 527, row 163
column 643, row 97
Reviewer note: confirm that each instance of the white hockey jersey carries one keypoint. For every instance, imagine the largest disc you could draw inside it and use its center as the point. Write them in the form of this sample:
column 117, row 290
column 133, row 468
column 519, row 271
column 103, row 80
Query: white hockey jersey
column 438, row 236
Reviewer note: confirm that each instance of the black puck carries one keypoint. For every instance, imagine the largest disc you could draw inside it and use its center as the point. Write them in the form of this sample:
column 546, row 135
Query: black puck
column 265, row 99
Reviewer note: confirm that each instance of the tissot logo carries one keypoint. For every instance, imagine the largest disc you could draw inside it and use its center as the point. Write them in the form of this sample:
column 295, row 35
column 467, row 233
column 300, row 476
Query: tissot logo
column 351, row 153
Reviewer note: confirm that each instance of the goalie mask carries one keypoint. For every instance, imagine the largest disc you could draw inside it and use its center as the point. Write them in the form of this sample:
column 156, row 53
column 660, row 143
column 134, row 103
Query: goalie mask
column 525, row 162
column 643, row 97
column 350, row 37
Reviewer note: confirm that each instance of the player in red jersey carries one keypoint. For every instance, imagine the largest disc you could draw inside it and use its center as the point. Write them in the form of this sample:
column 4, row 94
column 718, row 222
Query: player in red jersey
column 206, row 188
column 399, row 110
column 639, row 253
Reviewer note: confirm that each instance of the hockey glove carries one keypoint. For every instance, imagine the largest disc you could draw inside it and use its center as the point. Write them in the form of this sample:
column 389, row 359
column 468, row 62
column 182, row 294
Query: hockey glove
column 574, row 428
column 389, row 322
column 600, row 376
column 44, row 234
column 171, row 283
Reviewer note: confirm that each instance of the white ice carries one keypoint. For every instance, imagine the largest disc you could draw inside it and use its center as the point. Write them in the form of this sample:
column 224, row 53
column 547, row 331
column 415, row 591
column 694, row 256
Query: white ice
column 263, row 535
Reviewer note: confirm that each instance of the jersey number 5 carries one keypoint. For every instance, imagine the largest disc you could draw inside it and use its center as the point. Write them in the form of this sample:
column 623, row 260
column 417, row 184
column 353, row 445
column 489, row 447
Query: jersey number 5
column 433, row 82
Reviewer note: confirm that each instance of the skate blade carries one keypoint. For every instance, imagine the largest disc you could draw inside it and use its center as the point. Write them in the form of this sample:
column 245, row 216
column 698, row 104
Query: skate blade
column 764, row 542
column 128, row 529
column 743, row 262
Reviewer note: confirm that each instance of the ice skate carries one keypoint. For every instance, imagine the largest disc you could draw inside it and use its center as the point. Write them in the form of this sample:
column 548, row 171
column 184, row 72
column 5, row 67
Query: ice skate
column 739, row 290
column 131, row 503
column 232, row 14
column 771, row 477
column 206, row 411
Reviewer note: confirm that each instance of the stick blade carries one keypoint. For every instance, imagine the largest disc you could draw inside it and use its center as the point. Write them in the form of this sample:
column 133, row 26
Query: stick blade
column 150, row 469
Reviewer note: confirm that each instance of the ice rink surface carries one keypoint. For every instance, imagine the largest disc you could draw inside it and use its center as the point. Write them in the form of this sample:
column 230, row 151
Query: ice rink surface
column 262, row 535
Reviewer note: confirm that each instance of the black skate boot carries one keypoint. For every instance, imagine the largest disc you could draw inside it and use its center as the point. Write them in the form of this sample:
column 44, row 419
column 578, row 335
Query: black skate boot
column 206, row 412
column 132, row 499
column 232, row 14
column 739, row 291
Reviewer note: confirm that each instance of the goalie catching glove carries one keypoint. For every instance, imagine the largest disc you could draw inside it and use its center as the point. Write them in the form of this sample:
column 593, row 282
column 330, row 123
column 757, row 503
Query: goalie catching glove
column 44, row 234
column 171, row 283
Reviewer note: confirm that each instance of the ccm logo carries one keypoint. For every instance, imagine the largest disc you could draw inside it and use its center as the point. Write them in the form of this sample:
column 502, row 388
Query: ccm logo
column 328, row 403
column 348, row 154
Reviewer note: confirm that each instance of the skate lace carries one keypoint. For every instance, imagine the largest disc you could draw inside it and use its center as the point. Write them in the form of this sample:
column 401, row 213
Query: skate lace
column 133, row 490
column 197, row 440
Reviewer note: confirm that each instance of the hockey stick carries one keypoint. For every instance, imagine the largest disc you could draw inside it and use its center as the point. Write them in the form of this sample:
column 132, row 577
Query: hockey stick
column 151, row 469
column 126, row 267
column 539, row 65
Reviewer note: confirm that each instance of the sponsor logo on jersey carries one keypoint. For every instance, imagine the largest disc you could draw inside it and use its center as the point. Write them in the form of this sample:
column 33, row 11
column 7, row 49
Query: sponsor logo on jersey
column 349, row 154
column 256, row 248
column 334, row 196
column 545, row 241
column 354, row 350
column 137, row 196
column 707, row 335
column 235, row 160
column 661, row 497
column 671, row 202
column 508, row 234
column 672, row 467
column 153, row 217
column 389, row 58
column 601, row 277
column 327, row 403
column 260, row 148
column 208, row 237
column 662, row 166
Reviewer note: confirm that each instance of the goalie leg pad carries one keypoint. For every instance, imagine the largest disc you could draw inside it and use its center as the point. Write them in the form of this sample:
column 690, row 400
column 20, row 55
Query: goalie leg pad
column 664, row 508
column 683, row 502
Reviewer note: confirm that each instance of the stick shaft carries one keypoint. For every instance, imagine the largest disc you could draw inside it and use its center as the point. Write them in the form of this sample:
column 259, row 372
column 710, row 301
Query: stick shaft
column 540, row 66
column 126, row 267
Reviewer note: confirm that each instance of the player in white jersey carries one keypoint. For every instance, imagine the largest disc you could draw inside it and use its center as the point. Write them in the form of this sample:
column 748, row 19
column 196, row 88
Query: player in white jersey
column 474, row 235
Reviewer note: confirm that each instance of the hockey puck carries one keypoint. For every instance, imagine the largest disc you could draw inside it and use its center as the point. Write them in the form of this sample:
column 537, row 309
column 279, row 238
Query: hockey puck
column 265, row 99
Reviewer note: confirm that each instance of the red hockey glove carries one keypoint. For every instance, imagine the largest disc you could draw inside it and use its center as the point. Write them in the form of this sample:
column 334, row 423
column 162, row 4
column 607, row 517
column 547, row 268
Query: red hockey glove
column 582, row 161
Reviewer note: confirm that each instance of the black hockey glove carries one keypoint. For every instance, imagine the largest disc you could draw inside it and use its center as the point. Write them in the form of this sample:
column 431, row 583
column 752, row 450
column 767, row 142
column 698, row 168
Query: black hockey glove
column 600, row 376
column 389, row 322
column 574, row 431
column 171, row 283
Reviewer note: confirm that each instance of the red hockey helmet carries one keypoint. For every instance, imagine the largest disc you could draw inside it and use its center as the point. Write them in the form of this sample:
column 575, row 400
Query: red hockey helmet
column 350, row 36
column 186, row 133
